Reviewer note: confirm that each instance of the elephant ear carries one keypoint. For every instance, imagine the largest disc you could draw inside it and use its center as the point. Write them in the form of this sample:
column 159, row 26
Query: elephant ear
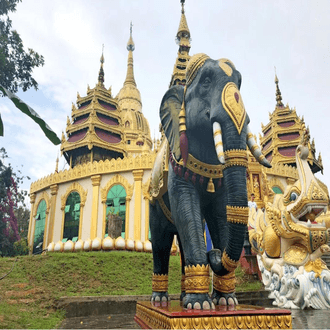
column 169, row 116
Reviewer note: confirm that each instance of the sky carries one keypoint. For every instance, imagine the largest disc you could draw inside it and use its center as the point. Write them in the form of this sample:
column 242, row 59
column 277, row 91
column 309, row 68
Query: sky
column 256, row 35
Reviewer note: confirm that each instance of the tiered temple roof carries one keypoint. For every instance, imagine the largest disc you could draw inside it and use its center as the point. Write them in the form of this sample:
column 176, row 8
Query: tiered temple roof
column 103, row 127
column 282, row 135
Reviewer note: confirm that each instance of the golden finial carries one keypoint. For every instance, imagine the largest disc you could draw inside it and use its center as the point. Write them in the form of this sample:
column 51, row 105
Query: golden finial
column 278, row 92
column 56, row 167
column 130, row 44
column 183, row 26
column 130, row 73
column 101, row 72
column 68, row 121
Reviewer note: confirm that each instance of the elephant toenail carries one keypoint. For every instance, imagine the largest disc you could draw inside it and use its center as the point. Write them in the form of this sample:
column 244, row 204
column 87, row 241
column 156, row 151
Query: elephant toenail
column 215, row 301
column 222, row 301
column 213, row 306
column 206, row 305
column 157, row 298
column 197, row 305
column 189, row 306
column 164, row 298
column 231, row 302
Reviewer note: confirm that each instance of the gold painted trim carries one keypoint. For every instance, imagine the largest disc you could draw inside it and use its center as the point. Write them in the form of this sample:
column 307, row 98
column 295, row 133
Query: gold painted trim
column 165, row 209
column 183, row 283
column 194, row 64
column 225, row 67
column 159, row 283
column 228, row 263
column 226, row 283
column 156, row 320
column 237, row 214
column 235, row 109
column 236, row 157
column 127, row 164
column 217, row 132
column 206, row 170
column 197, row 279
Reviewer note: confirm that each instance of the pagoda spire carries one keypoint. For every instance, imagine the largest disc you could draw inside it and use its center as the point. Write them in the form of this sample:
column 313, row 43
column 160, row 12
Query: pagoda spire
column 183, row 26
column 278, row 93
column 130, row 73
column 183, row 40
column 101, row 72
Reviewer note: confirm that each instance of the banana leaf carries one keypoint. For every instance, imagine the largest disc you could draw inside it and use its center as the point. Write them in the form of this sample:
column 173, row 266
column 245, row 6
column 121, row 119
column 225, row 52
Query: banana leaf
column 51, row 135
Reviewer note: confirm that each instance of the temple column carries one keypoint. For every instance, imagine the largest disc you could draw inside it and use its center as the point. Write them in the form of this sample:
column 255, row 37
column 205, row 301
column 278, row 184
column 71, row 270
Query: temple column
column 138, row 174
column 96, row 179
column 128, row 200
column 146, row 200
column 32, row 201
column 53, row 192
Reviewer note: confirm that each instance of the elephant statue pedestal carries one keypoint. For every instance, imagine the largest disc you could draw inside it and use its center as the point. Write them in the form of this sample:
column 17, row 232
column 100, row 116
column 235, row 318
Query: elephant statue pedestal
column 171, row 315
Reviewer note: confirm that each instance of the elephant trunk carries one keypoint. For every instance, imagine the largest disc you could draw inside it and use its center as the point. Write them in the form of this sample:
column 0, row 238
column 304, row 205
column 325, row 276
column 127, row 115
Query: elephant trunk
column 223, row 262
column 255, row 149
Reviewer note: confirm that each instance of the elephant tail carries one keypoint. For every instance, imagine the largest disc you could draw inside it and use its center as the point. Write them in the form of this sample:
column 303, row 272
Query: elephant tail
column 255, row 149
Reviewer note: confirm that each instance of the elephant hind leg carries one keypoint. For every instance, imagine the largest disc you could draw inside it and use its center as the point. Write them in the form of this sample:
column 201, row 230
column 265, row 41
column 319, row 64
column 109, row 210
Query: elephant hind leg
column 162, row 238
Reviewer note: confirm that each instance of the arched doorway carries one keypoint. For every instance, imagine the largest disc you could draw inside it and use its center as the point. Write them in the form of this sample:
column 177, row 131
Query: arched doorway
column 39, row 228
column 72, row 217
column 116, row 204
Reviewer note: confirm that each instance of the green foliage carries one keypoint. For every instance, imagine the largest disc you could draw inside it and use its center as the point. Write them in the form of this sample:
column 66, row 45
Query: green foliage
column 21, row 247
column 16, row 64
column 11, row 199
column 55, row 275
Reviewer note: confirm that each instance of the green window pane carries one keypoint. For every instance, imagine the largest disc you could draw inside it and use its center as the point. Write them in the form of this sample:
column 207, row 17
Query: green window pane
column 116, row 204
column 39, row 225
column 72, row 216
column 74, row 239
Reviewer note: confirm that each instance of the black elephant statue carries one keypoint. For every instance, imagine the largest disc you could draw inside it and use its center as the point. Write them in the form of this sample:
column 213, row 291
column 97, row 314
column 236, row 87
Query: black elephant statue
column 206, row 126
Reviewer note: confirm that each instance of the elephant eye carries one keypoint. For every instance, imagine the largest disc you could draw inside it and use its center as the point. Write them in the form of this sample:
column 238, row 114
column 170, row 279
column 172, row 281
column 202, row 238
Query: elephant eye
column 293, row 196
column 206, row 82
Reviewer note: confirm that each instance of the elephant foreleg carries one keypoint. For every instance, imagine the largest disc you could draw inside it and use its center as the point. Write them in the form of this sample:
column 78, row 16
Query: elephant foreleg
column 185, row 207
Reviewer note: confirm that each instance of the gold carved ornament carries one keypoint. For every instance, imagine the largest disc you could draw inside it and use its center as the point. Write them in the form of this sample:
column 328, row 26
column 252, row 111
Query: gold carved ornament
column 197, row 279
column 236, row 157
column 203, row 169
column 165, row 209
column 159, row 283
column 228, row 263
column 316, row 266
column 226, row 283
column 156, row 320
column 233, row 104
column 183, row 283
column 237, row 214
column 223, row 63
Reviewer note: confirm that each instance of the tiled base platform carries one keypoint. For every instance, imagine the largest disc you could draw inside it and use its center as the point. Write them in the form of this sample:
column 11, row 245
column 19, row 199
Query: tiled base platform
column 173, row 316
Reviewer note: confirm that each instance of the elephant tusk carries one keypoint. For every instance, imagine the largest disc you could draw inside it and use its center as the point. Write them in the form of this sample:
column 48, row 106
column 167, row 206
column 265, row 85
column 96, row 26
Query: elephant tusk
column 255, row 149
column 217, row 136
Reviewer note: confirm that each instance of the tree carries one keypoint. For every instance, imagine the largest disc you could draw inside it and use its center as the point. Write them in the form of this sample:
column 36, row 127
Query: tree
column 16, row 67
column 16, row 64
column 10, row 201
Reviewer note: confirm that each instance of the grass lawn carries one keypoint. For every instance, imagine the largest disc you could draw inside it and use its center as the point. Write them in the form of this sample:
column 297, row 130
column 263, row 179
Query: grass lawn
column 29, row 292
